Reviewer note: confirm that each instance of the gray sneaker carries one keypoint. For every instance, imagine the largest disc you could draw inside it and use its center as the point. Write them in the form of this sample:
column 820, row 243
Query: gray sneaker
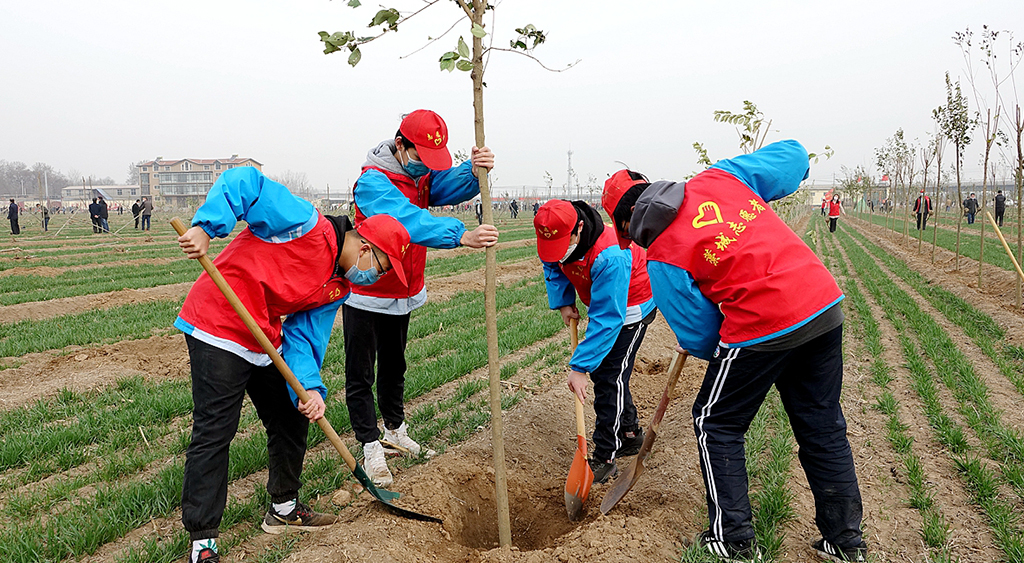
column 301, row 518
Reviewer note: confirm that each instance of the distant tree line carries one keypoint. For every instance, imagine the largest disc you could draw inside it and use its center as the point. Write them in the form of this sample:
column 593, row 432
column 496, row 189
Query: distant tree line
column 18, row 179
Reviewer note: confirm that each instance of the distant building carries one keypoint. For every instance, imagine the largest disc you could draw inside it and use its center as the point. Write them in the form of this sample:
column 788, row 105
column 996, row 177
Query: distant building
column 79, row 194
column 179, row 183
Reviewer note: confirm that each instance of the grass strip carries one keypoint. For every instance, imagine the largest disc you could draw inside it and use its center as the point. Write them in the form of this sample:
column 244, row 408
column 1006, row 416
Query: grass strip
column 935, row 529
column 954, row 370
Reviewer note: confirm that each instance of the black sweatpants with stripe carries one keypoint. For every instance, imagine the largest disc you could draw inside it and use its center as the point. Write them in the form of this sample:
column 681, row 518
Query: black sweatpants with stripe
column 613, row 403
column 809, row 379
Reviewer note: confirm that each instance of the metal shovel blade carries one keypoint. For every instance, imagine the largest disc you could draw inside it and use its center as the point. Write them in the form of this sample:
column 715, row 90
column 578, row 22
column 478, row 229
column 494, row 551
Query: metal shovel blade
column 581, row 477
column 628, row 478
column 385, row 496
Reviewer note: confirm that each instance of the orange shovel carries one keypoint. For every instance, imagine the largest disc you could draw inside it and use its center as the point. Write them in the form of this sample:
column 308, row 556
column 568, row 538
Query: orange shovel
column 577, row 485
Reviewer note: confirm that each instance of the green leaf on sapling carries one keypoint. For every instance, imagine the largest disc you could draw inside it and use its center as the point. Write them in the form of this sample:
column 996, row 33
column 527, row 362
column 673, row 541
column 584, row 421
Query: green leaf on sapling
column 464, row 65
column 463, row 49
column 449, row 56
column 354, row 57
column 478, row 31
column 354, row 3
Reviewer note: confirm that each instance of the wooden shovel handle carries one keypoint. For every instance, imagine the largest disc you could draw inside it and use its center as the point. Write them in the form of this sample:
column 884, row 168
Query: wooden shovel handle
column 265, row 343
column 581, row 421
column 674, row 369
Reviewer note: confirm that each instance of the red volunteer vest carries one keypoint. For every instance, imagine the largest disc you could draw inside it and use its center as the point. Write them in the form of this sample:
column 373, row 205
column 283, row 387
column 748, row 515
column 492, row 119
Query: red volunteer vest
column 415, row 257
column 744, row 258
column 578, row 272
column 271, row 279
column 834, row 209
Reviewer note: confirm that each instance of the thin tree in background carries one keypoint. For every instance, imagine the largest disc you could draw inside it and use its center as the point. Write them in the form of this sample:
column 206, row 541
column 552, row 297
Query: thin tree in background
column 955, row 124
column 939, row 146
column 462, row 58
column 927, row 153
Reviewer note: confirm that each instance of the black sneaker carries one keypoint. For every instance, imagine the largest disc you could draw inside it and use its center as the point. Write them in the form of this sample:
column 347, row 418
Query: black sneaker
column 631, row 443
column 603, row 470
column 301, row 518
column 833, row 552
column 208, row 556
column 727, row 551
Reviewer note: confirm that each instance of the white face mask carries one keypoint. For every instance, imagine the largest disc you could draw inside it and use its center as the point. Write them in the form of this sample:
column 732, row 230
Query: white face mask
column 568, row 253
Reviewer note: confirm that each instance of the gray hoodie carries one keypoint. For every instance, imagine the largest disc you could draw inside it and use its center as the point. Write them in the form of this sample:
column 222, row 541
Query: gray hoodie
column 383, row 157
column 655, row 210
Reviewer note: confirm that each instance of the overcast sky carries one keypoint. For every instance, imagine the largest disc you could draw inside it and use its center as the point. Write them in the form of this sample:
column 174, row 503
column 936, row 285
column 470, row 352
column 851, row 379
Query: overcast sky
column 94, row 86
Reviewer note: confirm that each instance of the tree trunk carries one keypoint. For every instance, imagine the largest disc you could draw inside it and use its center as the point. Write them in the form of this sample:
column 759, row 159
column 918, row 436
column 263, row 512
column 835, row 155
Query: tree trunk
column 490, row 296
column 935, row 202
column 960, row 204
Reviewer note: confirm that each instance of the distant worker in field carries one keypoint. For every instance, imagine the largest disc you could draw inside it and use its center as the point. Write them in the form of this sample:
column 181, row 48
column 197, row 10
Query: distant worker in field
column 922, row 207
column 835, row 208
column 514, row 209
column 971, row 208
column 104, row 215
column 147, row 213
column 289, row 260
column 536, row 206
column 402, row 176
column 1000, row 207
column 824, row 207
column 136, row 211
column 581, row 256
column 44, row 216
column 478, row 207
column 741, row 290
column 94, row 215
column 12, row 216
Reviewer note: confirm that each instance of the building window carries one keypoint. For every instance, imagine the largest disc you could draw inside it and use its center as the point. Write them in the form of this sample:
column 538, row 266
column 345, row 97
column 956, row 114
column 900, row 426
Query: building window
column 186, row 166
column 145, row 169
column 167, row 168
column 118, row 192
column 218, row 166
column 206, row 167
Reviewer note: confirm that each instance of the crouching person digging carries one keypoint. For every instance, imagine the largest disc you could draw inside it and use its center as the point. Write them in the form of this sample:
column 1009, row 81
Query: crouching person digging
column 741, row 290
column 293, row 261
column 582, row 256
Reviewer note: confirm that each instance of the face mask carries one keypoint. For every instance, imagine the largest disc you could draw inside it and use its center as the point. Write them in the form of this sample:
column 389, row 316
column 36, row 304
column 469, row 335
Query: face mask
column 568, row 253
column 416, row 169
column 362, row 277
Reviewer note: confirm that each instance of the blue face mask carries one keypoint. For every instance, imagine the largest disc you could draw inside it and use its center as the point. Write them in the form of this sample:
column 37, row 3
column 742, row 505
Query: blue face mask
column 416, row 169
column 362, row 277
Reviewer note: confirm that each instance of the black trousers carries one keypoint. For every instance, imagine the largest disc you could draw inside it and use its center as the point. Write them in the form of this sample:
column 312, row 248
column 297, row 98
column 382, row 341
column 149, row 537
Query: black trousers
column 999, row 215
column 136, row 221
column 374, row 338
column 613, row 403
column 220, row 379
column 96, row 225
column 922, row 221
column 832, row 221
column 15, row 228
column 809, row 379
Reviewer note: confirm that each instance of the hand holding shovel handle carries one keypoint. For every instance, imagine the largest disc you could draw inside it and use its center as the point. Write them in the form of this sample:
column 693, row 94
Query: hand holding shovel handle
column 382, row 495
column 626, row 480
column 581, row 477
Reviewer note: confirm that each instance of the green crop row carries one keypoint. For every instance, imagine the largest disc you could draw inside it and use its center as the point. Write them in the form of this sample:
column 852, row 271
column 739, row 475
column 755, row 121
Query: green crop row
column 935, row 530
column 958, row 375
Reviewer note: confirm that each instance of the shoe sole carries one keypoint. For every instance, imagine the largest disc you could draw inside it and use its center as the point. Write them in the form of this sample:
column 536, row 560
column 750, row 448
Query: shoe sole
column 289, row 529
column 835, row 558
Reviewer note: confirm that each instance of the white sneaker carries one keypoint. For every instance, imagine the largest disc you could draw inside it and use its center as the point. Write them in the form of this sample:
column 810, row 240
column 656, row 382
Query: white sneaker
column 400, row 437
column 375, row 466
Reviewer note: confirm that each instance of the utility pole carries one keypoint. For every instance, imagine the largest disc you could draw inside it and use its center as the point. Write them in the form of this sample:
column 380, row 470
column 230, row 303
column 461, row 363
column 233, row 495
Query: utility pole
column 568, row 178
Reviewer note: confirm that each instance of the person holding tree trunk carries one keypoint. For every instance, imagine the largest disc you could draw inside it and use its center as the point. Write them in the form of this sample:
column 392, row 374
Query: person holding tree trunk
column 401, row 177
column 740, row 289
column 581, row 256
column 289, row 261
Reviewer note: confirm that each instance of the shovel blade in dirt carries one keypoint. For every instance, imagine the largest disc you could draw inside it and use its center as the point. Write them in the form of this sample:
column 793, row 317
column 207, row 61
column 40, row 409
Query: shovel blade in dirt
column 581, row 477
column 383, row 495
column 628, row 478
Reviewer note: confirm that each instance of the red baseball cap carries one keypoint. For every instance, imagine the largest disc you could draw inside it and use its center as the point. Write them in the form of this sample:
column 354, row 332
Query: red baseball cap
column 554, row 223
column 614, row 187
column 387, row 234
column 429, row 134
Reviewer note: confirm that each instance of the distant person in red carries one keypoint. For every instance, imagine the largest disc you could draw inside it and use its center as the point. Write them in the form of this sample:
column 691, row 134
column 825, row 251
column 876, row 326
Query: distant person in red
column 835, row 207
column 923, row 206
